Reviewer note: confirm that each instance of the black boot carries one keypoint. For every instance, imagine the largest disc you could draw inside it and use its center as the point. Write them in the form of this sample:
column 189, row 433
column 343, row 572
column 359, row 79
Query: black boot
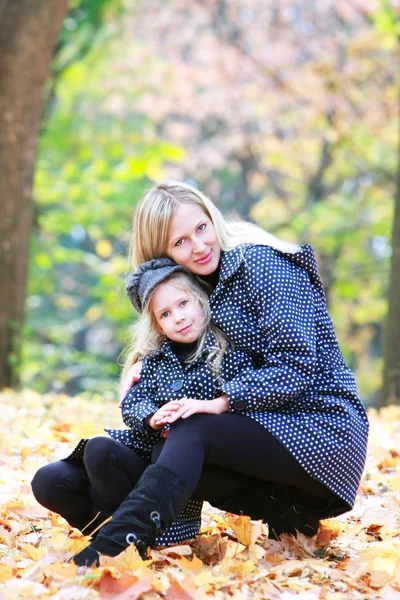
column 292, row 517
column 276, row 505
column 147, row 511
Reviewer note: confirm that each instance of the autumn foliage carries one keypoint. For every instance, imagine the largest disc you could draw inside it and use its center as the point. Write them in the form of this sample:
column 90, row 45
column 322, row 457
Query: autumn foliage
column 354, row 556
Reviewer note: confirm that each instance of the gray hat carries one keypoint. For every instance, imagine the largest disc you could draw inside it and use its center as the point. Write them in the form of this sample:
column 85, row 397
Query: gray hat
column 142, row 282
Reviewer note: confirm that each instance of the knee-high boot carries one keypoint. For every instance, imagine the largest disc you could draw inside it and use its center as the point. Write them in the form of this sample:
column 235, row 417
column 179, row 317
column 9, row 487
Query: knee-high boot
column 147, row 511
column 276, row 505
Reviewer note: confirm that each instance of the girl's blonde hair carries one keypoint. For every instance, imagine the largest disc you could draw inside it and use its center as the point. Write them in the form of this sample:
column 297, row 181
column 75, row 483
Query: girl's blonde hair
column 146, row 339
column 153, row 216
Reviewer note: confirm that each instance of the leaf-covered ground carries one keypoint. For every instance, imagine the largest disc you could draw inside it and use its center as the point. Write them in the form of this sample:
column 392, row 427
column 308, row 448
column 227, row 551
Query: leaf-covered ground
column 354, row 556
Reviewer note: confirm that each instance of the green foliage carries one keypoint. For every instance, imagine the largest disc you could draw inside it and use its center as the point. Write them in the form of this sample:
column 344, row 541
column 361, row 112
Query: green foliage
column 91, row 169
column 102, row 143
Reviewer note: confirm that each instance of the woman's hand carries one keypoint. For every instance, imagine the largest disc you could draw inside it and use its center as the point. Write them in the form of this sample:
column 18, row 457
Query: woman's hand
column 132, row 377
column 189, row 407
column 163, row 415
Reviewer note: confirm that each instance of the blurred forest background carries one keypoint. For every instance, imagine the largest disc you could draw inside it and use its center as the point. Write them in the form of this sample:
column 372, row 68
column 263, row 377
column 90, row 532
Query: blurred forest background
column 284, row 113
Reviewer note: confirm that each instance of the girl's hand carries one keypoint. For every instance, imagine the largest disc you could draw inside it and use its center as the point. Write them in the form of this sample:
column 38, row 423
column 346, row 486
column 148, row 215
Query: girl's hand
column 189, row 407
column 132, row 377
column 163, row 415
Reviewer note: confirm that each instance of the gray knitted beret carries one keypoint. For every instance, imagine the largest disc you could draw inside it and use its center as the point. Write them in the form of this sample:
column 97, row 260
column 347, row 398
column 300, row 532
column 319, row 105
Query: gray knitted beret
column 142, row 282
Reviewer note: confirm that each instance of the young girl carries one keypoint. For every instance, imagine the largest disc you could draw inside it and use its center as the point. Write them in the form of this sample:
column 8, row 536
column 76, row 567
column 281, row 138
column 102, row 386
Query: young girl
column 187, row 358
column 186, row 361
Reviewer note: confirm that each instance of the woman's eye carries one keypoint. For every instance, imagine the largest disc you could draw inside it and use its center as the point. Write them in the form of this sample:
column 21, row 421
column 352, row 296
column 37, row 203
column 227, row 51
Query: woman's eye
column 202, row 227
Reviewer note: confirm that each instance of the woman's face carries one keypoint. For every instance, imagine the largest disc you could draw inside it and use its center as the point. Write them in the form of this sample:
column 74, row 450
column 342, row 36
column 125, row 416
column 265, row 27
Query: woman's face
column 192, row 240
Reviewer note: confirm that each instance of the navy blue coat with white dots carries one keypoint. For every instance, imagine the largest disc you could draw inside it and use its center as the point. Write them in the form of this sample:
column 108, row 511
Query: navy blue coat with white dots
column 272, row 305
column 162, row 379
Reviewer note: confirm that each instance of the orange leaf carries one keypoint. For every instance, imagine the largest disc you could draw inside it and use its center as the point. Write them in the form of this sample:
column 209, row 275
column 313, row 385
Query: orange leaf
column 109, row 585
column 136, row 590
column 328, row 530
column 192, row 566
column 374, row 528
column 176, row 591
column 61, row 427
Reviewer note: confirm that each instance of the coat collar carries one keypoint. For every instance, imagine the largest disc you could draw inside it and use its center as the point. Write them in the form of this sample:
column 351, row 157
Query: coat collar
column 304, row 258
column 231, row 261
column 165, row 349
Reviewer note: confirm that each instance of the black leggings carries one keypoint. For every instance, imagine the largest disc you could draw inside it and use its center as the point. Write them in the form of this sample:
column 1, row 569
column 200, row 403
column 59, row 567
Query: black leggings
column 237, row 444
column 215, row 455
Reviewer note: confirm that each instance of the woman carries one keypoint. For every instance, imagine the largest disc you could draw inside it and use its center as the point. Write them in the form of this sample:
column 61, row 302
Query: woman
column 295, row 424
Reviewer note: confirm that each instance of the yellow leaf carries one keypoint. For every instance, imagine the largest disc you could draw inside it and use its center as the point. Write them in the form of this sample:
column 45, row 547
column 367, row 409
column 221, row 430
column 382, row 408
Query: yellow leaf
column 128, row 560
column 25, row 452
column 245, row 531
column 234, row 566
column 33, row 552
column 6, row 572
column 380, row 562
column 67, row 571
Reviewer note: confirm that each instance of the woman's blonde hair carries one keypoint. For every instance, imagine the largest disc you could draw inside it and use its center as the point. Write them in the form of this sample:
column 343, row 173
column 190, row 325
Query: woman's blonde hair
column 146, row 338
column 153, row 216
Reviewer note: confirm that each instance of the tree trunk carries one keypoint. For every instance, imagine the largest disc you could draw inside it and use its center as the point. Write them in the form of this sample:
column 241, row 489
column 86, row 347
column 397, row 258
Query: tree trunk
column 28, row 32
column 391, row 371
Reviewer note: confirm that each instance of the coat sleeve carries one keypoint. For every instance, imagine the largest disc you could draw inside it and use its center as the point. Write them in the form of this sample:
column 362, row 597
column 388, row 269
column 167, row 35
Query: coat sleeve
column 139, row 403
column 282, row 296
column 233, row 365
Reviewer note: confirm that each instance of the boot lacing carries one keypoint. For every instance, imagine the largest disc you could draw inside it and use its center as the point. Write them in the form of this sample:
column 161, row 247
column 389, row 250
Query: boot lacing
column 155, row 517
column 132, row 539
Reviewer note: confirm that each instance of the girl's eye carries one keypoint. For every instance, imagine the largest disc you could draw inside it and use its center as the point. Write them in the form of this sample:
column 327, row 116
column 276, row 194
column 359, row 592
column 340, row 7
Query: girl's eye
column 184, row 302
column 164, row 314
column 179, row 242
column 202, row 227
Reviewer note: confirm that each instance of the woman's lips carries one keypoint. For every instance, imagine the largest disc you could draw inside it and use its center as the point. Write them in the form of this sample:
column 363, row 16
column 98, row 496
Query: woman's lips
column 204, row 259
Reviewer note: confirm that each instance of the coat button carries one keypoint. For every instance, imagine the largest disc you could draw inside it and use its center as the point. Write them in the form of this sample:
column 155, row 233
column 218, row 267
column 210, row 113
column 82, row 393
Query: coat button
column 177, row 384
column 240, row 404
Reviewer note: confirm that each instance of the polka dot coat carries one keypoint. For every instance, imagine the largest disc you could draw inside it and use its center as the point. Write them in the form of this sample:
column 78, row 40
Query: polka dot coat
column 162, row 379
column 272, row 305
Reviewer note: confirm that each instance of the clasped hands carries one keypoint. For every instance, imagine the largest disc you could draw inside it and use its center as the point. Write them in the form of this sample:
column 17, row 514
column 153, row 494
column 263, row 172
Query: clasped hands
column 184, row 408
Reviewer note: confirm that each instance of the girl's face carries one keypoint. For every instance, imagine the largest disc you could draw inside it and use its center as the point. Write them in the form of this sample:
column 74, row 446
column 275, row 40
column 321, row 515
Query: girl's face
column 193, row 241
column 178, row 315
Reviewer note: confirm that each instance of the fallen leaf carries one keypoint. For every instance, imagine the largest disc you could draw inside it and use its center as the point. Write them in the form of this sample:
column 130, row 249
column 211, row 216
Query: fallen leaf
column 237, row 567
column 192, row 566
column 110, row 585
column 329, row 530
column 176, row 591
column 6, row 572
